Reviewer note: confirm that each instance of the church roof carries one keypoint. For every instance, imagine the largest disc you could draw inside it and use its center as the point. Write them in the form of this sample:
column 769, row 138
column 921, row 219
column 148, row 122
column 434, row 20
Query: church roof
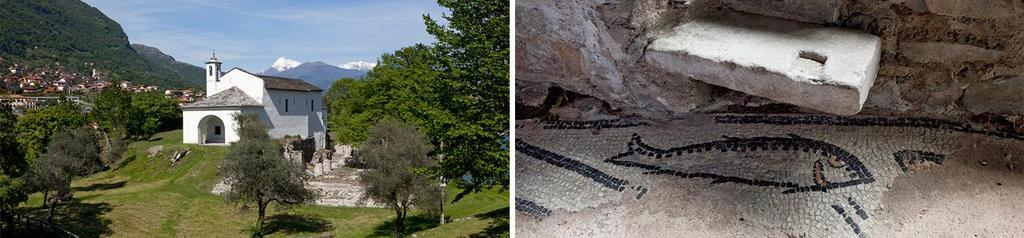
column 231, row 97
column 279, row 83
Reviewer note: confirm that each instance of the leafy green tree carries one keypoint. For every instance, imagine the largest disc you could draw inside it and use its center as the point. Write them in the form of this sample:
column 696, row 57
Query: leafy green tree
column 134, row 115
column 120, row 119
column 346, row 103
column 113, row 111
column 157, row 113
column 124, row 116
column 399, row 87
column 12, row 166
column 258, row 173
column 341, row 89
column 12, row 162
column 473, row 57
column 37, row 126
column 73, row 152
column 12, row 193
column 394, row 153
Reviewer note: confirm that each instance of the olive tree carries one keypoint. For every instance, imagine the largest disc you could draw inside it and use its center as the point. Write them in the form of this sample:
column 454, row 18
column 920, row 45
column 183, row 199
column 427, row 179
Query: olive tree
column 259, row 173
column 396, row 156
column 71, row 153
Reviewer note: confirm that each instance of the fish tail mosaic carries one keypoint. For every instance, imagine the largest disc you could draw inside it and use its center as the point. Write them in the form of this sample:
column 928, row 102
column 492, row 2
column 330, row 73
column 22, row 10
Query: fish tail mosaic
column 571, row 165
column 803, row 175
column 702, row 159
column 532, row 208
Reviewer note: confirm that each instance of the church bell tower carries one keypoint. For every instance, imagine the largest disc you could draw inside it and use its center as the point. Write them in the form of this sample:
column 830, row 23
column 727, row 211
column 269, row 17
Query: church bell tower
column 212, row 74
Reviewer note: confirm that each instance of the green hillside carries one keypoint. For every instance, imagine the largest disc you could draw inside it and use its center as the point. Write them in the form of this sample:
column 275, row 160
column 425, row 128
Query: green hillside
column 43, row 32
column 156, row 58
column 151, row 197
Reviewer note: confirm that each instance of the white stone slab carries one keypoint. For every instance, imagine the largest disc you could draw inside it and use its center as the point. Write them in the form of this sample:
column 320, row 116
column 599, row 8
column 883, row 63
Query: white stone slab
column 823, row 68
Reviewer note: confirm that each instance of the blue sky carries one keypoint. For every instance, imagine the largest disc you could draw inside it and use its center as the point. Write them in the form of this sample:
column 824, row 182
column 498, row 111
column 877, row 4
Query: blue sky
column 252, row 34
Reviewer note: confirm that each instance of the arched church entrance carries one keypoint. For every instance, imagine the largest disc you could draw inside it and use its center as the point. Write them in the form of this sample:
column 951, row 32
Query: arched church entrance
column 211, row 130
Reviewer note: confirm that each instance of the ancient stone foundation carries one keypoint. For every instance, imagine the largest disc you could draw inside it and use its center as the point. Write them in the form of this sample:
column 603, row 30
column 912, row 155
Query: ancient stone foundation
column 318, row 161
column 298, row 149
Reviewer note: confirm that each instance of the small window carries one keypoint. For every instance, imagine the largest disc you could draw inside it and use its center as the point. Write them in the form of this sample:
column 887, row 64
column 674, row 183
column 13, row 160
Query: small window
column 210, row 71
column 311, row 104
column 216, row 130
column 286, row 105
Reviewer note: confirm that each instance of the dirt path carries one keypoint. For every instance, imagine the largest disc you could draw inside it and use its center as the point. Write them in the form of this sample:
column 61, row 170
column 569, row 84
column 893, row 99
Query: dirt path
column 763, row 175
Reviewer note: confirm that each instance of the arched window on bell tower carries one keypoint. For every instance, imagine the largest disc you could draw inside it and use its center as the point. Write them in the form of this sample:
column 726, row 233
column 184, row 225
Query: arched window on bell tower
column 213, row 69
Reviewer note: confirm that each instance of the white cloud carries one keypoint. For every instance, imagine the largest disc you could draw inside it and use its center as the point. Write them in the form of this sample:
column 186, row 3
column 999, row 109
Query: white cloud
column 358, row 65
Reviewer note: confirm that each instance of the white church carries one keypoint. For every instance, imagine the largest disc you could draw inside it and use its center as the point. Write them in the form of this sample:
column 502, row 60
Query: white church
column 287, row 107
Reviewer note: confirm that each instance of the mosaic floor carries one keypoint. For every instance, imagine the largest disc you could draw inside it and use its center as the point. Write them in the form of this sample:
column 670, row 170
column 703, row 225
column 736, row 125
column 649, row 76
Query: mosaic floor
column 766, row 175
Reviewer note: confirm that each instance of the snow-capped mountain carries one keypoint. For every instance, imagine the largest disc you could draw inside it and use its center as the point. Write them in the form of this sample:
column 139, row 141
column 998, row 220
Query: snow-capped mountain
column 282, row 64
column 358, row 65
column 317, row 73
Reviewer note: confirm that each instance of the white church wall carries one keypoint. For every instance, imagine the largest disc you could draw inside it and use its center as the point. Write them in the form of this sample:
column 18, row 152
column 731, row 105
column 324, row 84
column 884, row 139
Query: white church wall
column 191, row 119
column 248, row 83
column 301, row 118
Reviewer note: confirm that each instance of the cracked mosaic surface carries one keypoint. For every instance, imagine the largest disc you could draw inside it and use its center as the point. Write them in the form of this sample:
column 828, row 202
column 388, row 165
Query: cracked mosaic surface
column 764, row 175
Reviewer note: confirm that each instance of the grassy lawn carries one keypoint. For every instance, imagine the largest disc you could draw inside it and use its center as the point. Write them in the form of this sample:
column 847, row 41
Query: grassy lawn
column 151, row 197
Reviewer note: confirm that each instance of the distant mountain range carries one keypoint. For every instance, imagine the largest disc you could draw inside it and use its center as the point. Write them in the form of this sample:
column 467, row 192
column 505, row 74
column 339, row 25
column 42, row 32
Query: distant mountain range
column 317, row 73
column 80, row 37
column 358, row 65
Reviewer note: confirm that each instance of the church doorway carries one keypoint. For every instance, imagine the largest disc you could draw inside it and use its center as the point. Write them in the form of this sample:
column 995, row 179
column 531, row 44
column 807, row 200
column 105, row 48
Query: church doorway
column 211, row 130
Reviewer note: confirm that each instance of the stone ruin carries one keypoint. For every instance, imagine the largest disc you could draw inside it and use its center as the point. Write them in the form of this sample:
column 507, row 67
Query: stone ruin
column 318, row 161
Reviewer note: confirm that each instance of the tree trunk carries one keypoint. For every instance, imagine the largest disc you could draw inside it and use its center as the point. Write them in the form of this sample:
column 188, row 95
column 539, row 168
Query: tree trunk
column 399, row 221
column 444, row 198
column 259, row 222
column 106, row 136
column 49, row 215
column 49, row 212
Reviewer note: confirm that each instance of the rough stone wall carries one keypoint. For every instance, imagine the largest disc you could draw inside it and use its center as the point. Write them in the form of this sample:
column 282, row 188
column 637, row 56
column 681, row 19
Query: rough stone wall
column 297, row 149
column 590, row 47
column 318, row 161
column 949, row 59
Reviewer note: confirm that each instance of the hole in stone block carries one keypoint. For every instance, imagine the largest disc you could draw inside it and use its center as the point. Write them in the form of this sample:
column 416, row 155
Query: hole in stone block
column 813, row 56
